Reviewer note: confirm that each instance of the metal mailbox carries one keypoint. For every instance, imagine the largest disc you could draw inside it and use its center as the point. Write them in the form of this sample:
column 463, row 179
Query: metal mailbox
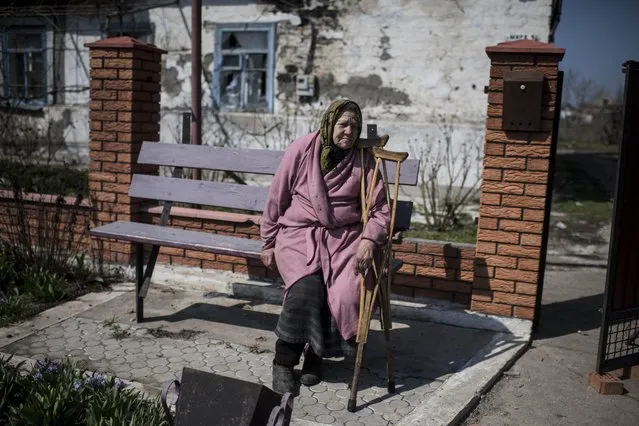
column 523, row 97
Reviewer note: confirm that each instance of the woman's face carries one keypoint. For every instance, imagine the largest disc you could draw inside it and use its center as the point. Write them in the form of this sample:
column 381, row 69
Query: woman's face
column 346, row 130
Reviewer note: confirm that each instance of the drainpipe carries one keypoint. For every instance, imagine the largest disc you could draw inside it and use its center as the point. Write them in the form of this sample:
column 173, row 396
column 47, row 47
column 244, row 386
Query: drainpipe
column 196, row 77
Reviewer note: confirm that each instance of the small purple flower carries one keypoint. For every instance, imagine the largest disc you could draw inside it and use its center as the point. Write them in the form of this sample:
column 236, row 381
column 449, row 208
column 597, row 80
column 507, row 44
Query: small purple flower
column 101, row 379
column 52, row 367
column 119, row 383
column 37, row 376
column 97, row 380
column 77, row 385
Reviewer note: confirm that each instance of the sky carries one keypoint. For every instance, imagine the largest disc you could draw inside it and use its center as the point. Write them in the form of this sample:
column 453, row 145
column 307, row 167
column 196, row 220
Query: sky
column 599, row 36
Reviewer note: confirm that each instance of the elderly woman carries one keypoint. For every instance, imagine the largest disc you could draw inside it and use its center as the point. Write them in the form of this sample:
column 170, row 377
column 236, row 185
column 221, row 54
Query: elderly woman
column 312, row 233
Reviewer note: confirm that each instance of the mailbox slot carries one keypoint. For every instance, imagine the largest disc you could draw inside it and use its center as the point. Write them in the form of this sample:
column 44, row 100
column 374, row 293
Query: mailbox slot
column 523, row 96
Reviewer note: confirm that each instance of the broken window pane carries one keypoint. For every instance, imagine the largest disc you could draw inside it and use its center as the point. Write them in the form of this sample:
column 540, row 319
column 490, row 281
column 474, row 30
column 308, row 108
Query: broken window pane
column 35, row 75
column 230, row 86
column 16, row 65
column 244, row 77
column 231, row 61
column 256, row 61
column 256, row 89
column 25, row 67
column 244, row 40
column 24, row 41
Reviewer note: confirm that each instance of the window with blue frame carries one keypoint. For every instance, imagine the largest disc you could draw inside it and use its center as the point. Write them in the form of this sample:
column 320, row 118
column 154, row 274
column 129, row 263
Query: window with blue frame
column 24, row 66
column 244, row 63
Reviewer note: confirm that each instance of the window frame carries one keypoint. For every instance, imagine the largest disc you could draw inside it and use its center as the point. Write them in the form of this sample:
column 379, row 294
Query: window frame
column 269, row 29
column 23, row 101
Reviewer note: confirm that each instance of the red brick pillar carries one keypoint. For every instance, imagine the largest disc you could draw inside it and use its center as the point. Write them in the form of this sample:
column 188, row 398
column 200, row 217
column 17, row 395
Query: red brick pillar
column 124, row 111
column 514, row 189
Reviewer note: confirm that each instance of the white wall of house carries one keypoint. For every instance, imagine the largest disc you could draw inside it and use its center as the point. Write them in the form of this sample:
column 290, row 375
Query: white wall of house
column 406, row 62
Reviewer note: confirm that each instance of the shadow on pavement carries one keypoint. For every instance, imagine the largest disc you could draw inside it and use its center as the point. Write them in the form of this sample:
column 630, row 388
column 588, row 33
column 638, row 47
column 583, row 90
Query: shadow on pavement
column 569, row 317
column 424, row 353
column 239, row 315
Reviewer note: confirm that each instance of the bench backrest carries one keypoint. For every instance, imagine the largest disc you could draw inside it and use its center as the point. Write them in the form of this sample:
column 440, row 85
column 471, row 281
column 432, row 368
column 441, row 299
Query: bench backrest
column 230, row 195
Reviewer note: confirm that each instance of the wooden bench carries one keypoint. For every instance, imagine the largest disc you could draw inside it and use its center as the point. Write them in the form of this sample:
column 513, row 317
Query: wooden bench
column 207, row 193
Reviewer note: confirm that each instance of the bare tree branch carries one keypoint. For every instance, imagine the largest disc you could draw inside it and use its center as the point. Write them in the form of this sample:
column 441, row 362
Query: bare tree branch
column 442, row 202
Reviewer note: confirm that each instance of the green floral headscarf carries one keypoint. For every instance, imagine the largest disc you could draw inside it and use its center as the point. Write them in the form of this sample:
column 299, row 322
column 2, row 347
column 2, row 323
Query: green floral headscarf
column 331, row 155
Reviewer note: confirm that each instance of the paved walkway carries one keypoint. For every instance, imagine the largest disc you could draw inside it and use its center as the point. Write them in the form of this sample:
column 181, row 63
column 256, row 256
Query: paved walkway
column 553, row 373
column 440, row 369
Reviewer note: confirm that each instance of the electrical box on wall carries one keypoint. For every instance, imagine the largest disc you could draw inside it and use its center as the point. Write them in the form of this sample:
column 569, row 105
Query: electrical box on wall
column 305, row 85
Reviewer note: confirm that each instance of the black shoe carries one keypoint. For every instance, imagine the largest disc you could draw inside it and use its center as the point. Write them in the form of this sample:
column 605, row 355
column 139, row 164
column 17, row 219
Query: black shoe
column 284, row 380
column 311, row 369
column 349, row 347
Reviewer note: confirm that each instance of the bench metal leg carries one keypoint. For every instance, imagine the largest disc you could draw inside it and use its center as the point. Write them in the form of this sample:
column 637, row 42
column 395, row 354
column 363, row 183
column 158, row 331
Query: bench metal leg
column 139, row 281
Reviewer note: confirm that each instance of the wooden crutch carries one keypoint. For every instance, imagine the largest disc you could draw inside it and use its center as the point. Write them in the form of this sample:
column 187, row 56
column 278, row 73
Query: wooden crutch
column 368, row 295
column 385, row 287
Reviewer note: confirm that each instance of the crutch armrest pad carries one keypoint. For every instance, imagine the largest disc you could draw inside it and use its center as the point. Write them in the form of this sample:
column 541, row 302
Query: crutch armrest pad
column 385, row 154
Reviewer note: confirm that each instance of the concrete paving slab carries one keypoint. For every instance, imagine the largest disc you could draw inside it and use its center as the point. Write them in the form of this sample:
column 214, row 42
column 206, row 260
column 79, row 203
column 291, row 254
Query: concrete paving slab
column 56, row 314
column 435, row 365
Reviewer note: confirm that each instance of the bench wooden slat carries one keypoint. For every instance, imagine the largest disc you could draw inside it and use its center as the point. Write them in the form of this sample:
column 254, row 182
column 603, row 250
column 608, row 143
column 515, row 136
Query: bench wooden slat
column 192, row 240
column 239, row 160
column 220, row 194
column 409, row 175
column 207, row 193
column 174, row 237
column 259, row 161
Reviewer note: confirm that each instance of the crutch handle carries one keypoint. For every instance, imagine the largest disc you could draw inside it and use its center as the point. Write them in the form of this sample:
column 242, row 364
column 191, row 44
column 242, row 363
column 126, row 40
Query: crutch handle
column 385, row 154
column 373, row 142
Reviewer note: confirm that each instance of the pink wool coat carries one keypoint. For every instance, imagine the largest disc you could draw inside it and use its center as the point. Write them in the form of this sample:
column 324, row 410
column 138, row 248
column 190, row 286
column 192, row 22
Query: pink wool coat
column 314, row 223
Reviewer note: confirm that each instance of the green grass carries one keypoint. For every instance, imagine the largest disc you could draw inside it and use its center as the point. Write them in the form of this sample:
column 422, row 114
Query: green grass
column 15, row 307
column 586, row 146
column 591, row 211
column 44, row 179
column 463, row 234
column 27, row 289
column 594, row 212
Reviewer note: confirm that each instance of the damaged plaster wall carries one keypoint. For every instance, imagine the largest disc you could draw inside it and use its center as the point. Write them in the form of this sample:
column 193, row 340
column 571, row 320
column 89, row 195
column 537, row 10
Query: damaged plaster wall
column 409, row 60
column 405, row 61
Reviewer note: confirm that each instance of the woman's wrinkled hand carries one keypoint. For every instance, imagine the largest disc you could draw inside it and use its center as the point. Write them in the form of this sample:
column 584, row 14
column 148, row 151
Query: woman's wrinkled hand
column 363, row 256
column 268, row 258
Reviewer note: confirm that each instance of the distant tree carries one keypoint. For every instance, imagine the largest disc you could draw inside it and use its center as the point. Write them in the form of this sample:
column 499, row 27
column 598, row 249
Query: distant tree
column 580, row 91
column 590, row 125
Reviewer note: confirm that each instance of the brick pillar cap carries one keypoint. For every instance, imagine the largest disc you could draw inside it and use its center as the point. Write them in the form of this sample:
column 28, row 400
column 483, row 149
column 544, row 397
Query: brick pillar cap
column 123, row 43
column 526, row 46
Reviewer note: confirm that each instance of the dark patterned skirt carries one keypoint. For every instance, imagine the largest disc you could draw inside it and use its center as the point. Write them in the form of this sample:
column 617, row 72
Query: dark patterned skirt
column 306, row 318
